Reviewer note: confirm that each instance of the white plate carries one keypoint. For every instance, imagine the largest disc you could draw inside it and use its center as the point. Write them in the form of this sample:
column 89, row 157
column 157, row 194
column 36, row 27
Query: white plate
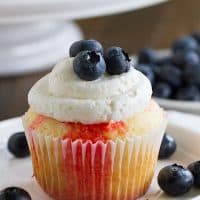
column 23, row 10
column 18, row 172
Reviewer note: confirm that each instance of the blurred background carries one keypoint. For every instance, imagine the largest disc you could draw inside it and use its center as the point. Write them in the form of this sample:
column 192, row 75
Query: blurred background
column 157, row 26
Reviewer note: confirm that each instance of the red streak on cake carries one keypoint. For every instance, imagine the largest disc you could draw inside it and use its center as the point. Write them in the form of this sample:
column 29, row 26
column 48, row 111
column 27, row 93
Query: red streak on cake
column 95, row 132
column 33, row 126
column 77, row 130
column 87, row 176
column 36, row 122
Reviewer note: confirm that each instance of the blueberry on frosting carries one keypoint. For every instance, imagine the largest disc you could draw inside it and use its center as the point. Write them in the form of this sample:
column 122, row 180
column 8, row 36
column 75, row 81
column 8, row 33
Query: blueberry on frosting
column 117, row 61
column 84, row 45
column 89, row 65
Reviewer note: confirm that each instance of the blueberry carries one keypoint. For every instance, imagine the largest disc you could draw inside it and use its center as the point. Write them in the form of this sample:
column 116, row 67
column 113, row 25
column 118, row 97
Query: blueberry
column 156, row 68
column 17, row 145
column 147, row 71
column 196, row 36
column 188, row 93
column 184, row 44
column 168, row 146
column 89, row 65
column 14, row 193
column 175, row 180
column 165, row 60
column 171, row 74
column 195, row 169
column 83, row 45
column 191, row 75
column 147, row 55
column 117, row 61
column 185, row 58
column 162, row 90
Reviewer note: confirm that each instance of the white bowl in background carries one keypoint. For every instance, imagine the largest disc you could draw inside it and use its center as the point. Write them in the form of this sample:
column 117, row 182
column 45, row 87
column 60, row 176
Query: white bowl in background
column 184, row 106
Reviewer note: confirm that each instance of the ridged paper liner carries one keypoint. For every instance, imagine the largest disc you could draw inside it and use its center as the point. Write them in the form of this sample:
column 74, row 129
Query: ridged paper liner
column 117, row 170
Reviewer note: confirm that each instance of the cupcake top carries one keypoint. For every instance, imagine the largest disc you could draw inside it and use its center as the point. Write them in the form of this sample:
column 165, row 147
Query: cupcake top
column 91, row 88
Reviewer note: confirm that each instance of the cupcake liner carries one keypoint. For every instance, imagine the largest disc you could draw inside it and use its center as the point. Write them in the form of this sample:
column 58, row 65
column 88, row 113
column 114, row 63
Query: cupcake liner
column 76, row 170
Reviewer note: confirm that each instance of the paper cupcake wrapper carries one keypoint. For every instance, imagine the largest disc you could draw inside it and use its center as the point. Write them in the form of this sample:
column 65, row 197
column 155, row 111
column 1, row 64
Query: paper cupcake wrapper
column 76, row 170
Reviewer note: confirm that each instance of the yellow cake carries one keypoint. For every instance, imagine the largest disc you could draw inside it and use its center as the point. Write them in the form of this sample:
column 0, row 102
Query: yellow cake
column 138, row 125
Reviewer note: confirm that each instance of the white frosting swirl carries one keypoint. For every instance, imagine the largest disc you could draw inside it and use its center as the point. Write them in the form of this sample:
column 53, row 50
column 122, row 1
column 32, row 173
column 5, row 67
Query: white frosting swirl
column 64, row 96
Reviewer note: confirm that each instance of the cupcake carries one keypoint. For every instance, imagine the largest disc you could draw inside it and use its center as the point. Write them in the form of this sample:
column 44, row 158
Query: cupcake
column 92, row 128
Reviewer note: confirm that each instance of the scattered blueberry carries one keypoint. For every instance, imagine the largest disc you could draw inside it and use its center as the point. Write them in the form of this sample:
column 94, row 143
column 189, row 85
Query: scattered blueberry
column 89, row 65
column 188, row 93
column 117, row 61
column 195, row 169
column 191, row 75
column 168, row 146
column 83, row 45
column 162, row 90
column 14, row 193
column 147, row 56
column 184, row 44
column 185, row 58
column 17, row 145
column 171, row 74
column 175, row 180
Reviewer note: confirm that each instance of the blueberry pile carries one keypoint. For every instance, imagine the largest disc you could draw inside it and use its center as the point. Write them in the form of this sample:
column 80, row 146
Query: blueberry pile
column 91, row 61
column 177, row 75
column 176, row 180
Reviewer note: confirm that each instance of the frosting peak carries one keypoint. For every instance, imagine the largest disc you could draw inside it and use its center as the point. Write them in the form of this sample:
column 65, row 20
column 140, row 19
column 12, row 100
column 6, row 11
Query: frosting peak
column 64, row 96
